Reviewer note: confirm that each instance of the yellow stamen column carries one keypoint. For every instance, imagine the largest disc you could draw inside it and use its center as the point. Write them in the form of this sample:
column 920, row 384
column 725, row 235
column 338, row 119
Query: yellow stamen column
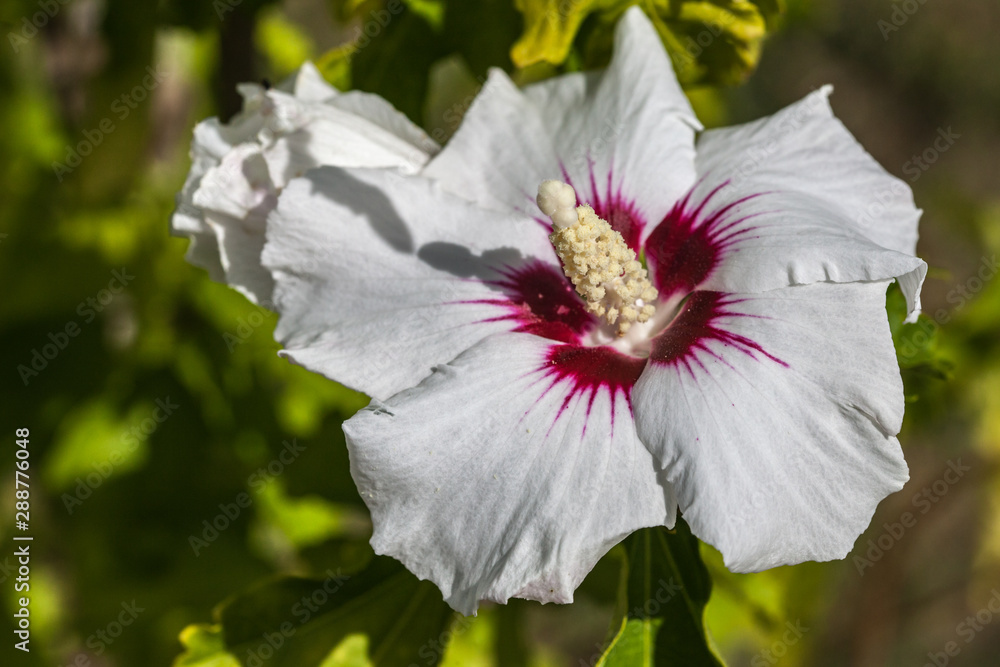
column 596, row 259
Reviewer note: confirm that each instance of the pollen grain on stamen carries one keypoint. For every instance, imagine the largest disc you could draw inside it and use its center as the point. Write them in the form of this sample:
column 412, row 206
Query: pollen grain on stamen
column 596, row 259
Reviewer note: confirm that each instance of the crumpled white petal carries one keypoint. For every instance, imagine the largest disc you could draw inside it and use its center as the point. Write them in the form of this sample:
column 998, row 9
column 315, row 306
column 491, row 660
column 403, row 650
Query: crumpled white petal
column 235, row 209
column 630, row 129
column 821, row 207
column 212, row 140
column 382, row 276
column 238, row 169
column 486, row 481
column 778, row 433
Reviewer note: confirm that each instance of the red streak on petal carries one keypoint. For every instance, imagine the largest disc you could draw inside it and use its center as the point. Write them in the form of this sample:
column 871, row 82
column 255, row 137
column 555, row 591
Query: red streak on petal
column 697, row 324
column 589, row 371
column 688, row 244
column 541, row 301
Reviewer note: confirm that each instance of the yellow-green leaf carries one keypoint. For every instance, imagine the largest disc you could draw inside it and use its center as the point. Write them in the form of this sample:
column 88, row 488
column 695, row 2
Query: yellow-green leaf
column 709, row 41
column 715, row 41
column 551, row 25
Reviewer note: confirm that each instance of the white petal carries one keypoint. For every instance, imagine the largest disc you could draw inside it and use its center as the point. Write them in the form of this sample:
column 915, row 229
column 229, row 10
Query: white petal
column 240, row 243
column 624, row 137
column 209, row 145
column 240, row 183
column 775, row 417
column 500, row 153
column 309, row 85
column 805, row 148
column 213, row 140
column 802, row 202
column 628, row 134
column 204, row 252
column 495, row 479
column 381, row 276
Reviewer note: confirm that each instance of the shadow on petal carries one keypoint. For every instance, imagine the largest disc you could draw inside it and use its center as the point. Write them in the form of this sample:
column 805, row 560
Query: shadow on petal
column 370, row 203
column 460, row 261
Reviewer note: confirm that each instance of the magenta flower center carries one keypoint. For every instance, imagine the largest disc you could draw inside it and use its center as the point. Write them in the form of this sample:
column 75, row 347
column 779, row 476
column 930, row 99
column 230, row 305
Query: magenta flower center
column 689, row 326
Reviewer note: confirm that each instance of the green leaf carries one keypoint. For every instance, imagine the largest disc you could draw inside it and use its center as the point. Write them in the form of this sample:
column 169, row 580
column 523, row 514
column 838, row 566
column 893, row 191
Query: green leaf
column 664, row 590
column 395, row 63
column 301, row 621
column 352, row 652
column 94, row 436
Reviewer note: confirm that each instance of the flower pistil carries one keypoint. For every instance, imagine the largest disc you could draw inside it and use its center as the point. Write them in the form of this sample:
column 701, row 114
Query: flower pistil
column 596, row 259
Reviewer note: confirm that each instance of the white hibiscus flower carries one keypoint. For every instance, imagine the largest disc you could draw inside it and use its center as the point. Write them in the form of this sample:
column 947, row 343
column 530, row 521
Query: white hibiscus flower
column 532, row 408
column 239, row 168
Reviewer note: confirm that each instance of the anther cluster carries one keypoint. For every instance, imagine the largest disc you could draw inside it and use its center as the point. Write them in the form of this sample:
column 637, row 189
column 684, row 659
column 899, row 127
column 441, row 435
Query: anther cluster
column 596, row 259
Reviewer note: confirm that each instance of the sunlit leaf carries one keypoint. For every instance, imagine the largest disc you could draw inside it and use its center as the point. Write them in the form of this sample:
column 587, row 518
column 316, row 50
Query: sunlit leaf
column 433, row 11
column 94, row 443
column 709, row 41
column 551, row 25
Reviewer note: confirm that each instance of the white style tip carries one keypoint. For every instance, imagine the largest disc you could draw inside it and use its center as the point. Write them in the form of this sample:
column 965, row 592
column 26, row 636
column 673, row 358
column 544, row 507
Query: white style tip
column 558, row 201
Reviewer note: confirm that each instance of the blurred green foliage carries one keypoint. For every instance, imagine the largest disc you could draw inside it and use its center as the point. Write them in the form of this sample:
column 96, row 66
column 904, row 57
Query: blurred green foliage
column 190, row 513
